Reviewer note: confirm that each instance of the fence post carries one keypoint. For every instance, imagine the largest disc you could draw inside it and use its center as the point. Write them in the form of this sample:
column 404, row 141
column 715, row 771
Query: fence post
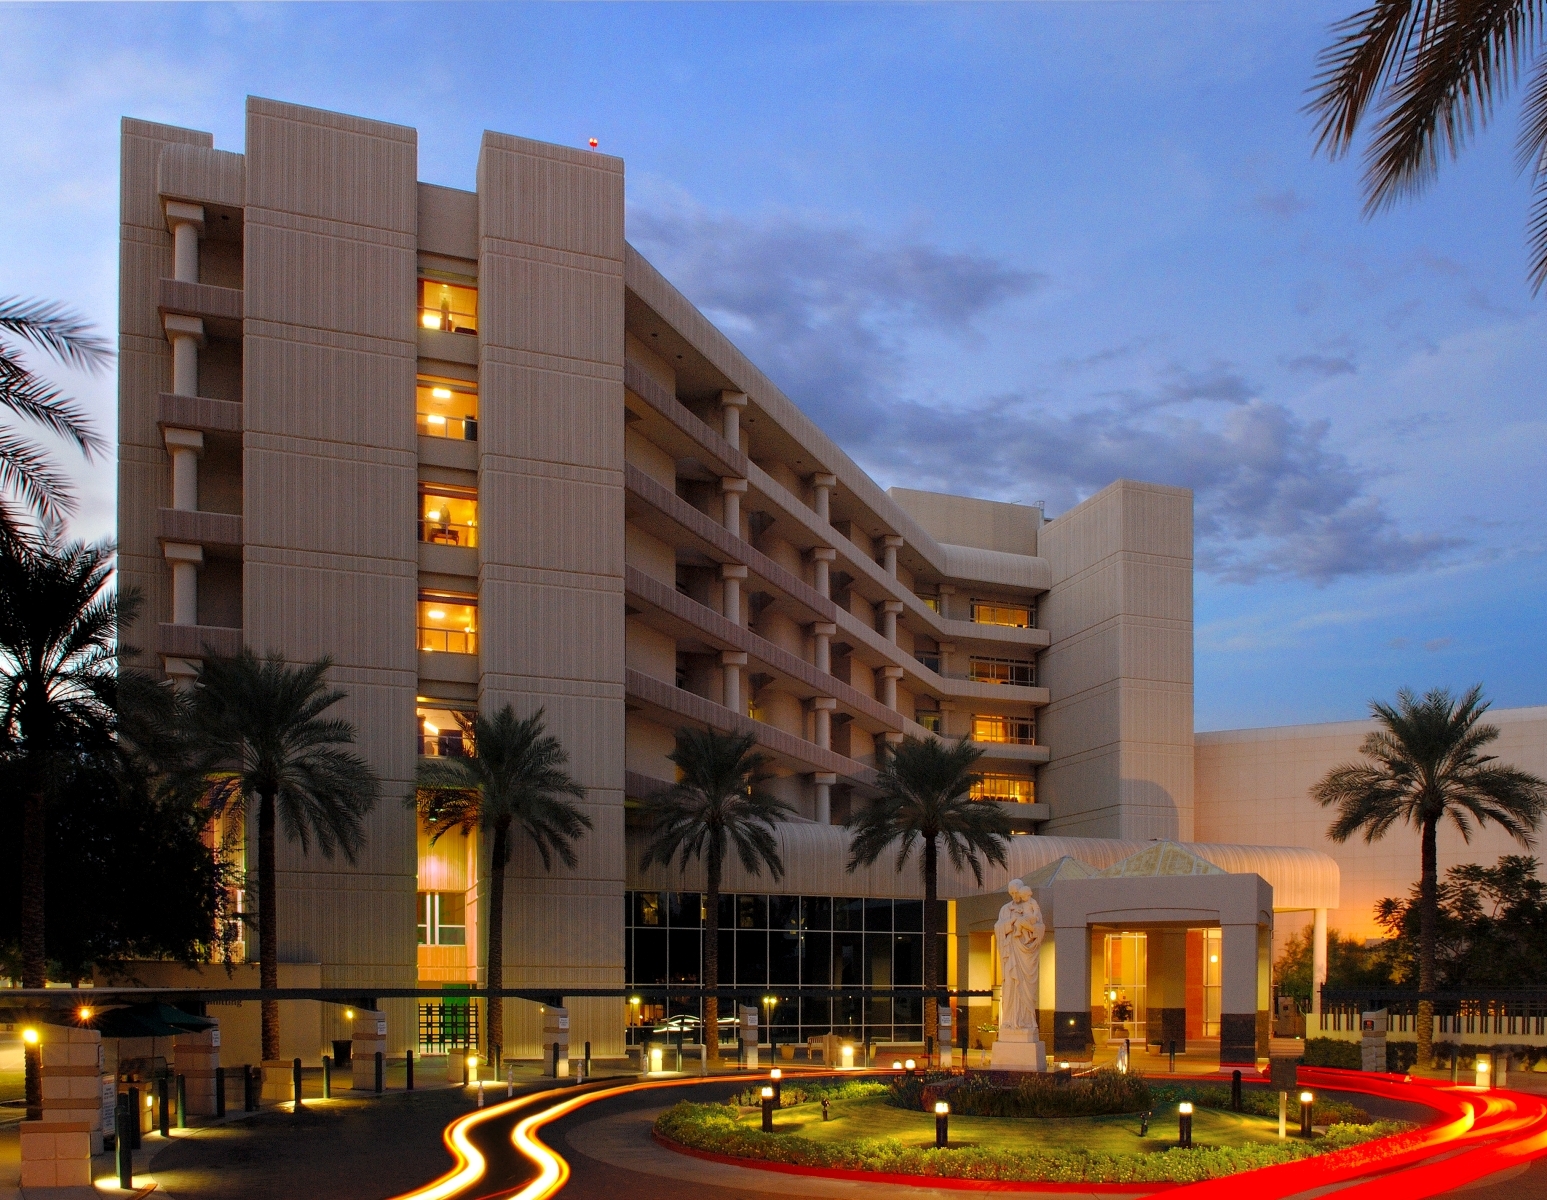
column 164, row 1107
column 220, row 1091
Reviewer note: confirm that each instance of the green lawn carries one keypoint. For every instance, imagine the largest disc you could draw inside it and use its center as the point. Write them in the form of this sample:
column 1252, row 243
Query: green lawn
column 874, row 1118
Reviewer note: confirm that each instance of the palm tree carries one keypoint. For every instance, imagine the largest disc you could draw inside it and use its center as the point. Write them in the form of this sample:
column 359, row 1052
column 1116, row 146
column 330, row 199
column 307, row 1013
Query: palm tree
column 257, row 736
column 515, row 784
column 1422, row 767
column 25, row 470
column 716, row 804
column 1434, row 69
column 59, row 623
column 925, row 798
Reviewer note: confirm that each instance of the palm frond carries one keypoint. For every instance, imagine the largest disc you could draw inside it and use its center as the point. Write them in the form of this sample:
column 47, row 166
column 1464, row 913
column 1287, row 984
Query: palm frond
column 57, row 331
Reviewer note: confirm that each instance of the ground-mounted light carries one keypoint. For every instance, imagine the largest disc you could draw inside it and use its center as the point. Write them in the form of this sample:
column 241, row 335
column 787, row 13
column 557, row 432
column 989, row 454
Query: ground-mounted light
column 1484, row 1066
column 1184, row 1124
column 657, row 1060
column 942, row 1122
column 897, row 1064
column 908, row 1066
column 777, row 1075
column 768, row 1109
column 846, row 1056
column 1307, row 1103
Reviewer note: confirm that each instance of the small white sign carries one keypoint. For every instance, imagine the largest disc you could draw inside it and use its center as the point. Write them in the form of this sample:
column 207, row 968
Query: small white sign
column 563, row 1022
column 381, row 1029
column 214, row 1037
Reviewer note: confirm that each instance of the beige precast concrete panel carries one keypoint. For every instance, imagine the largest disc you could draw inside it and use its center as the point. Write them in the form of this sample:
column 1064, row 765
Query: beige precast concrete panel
column 551, row 457
column 329, row 469
column 1120, row 664
column 968, row 522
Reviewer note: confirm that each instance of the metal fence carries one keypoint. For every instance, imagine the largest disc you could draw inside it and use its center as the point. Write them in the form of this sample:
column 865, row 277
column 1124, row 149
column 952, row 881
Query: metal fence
column 447, row 1027
column 1505, row 1012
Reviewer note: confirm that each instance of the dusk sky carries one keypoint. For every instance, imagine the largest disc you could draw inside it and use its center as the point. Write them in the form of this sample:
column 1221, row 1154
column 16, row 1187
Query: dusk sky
column 1015, row 251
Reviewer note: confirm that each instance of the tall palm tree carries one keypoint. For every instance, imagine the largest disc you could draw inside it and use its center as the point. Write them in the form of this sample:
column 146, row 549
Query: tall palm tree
column 1434, row 69
column 513, row 786
column 25, row 470
column 925, row 803
column 257, row 736
column 1422, row 767
column 59, row 621
column 714, row 806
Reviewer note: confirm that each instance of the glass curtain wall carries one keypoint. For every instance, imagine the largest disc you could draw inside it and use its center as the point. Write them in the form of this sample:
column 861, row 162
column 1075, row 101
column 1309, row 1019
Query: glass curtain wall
column 769, row 944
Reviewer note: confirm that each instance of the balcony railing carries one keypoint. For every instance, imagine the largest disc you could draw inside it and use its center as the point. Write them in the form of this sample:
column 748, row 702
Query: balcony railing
column 1002, row 670
column 1015, row 616
column 448, row 743
column 447, row 533
column 461, row 429
column 448, row 641
column 1017, row 731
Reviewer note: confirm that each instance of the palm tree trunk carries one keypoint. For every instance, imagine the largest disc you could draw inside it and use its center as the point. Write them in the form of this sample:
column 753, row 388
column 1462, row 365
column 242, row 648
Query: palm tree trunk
column 1428, row 912
column 712, row 965
column 268, row 924
column 34, row 960
column 931, row 937
column 495, row 923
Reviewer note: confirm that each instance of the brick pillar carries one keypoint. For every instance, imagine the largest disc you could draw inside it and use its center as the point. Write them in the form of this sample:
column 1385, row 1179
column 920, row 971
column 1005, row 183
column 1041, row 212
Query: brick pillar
column 57, row 1153
column 370, row 1035
column 195, row 1055
column 72, row 1079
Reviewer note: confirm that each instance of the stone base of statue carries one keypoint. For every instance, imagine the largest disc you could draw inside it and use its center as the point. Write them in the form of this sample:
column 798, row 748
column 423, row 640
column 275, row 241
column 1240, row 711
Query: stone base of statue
column 1017, row 1050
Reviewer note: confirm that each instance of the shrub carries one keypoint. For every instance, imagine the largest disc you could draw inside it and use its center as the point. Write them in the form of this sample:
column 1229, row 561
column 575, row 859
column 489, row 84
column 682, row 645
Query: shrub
column 792, row 1094
column 715, row 1128
column 1259, row 1102
column 1330, row 1052
column 1097, row 1094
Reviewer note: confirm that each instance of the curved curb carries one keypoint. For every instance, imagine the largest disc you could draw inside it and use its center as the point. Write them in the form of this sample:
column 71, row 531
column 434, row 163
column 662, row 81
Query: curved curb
column 919, row 1181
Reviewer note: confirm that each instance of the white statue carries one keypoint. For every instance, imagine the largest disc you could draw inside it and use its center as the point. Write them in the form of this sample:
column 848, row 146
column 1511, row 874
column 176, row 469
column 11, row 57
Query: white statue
column 1018, row 934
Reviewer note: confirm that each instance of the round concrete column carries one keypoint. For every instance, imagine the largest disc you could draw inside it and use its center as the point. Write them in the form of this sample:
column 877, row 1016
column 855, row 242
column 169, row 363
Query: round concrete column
column 889, row 677
column 822, row 708
column 824, row 796
column 731, row 404
column 889, row 611
column 186, row 221
column 822, row 559
column 731, row 576
column 732, row 490
column 185, row 446
column 890, row 544
column 731, row 662
column 186, row 561
column 186, row 335
column 823, row 632
column 822, row 489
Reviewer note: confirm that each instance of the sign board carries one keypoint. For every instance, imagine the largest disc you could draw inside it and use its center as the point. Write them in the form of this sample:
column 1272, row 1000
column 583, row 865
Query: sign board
column 214, row 1037
column 945, row 1021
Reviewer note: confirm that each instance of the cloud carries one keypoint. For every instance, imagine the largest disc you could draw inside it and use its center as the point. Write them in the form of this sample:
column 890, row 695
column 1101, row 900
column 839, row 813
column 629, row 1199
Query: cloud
column 1434, row 645
column 1324, row 365
column 833, row 315
column 1285, row 204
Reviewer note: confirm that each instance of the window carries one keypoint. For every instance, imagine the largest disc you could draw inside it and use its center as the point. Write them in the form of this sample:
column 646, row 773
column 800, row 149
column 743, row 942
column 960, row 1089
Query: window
column 931, row 602
column 442, row 919
column 993, row 612
column 444, row 732
column 929, row 718
column 446, row 408
column 449, row 307
column 448, row 622
column 928, row 658
column 448, row 516
column 1212, row 979
column 1125, row 983
column 1007, row 789
column 1019, row 730
column 1001, row 670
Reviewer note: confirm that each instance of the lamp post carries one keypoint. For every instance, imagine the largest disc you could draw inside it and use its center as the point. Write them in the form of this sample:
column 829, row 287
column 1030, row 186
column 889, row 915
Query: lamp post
column 768, row 1007
column 1184, row 1125
column 908, row 1066
column 768, row 1107
column 942, row 1123
column 1307, row 1102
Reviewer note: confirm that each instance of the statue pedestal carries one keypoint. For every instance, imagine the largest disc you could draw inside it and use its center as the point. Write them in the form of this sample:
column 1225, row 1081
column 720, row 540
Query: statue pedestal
column 1017, row 1050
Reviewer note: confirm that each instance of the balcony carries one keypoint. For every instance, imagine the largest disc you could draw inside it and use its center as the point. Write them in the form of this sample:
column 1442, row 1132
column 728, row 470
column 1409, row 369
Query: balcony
column 448, row 623
column 446, row 408
column 1014, row 672
column 211, row 530
column 448, row 307
column 1012, row 731
column 1012, row 616
column 448, row 516
column 445, row 732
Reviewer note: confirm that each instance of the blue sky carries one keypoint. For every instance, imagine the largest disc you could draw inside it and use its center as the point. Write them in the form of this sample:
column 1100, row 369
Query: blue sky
column 1013, row 250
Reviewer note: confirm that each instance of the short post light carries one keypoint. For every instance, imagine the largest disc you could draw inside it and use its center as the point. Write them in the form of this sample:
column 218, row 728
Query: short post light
column 768, row 1107
column 942, row 1123
column 908, row 1066
column 1307, row 1103
column 1483, row 1067
column 327, row 1077
column 472, row 1069
column 825, row 1115
column 846, row 1056
column 777, row 1076
column 657, row 1060
column 1184, row 1124
column 897, row 1065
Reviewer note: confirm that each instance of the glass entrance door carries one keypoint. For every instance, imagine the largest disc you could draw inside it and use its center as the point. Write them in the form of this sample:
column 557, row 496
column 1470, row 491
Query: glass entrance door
column 1126, row 973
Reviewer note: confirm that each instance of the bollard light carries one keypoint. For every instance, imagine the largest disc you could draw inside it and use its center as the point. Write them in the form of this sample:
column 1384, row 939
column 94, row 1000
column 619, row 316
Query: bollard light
column 656, row 1063
column 942, row 1119
column 897, row 1065
column 1184, row 1124
column 1482, row 1070
column 777, row 1075
column 768, row 1107
column 846, row 1056
column 30, row 1036
column 1307, row 1103
column 909, row 1066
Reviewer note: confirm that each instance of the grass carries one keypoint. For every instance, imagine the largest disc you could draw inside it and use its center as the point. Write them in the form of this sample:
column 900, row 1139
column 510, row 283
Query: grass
column 868, row 1134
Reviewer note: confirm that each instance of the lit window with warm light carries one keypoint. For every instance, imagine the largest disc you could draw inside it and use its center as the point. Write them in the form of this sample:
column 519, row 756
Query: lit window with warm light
column 448, row 516
column 448, row 307
column 446, row 408
column 1021, row 731
column 1006, row 789
column 994, row 612
column 1001, row 670
column 444, row 732
column 448, row 623
column 442, row 919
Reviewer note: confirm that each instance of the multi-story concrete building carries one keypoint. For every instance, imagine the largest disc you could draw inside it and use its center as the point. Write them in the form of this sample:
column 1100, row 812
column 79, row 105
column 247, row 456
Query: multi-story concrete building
column 478, row 450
